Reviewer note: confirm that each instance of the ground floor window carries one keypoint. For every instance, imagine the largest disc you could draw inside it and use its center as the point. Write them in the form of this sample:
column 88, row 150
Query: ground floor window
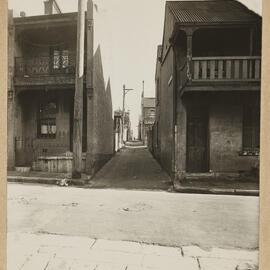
column 251, row 128
column 48, row 127
column 47, row 118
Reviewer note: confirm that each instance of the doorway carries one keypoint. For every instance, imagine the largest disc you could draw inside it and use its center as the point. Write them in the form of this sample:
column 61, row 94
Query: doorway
column 197, row 139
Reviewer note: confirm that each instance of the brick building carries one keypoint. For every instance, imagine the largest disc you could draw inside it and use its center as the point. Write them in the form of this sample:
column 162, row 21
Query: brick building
column 208, row 89
column 42, row 53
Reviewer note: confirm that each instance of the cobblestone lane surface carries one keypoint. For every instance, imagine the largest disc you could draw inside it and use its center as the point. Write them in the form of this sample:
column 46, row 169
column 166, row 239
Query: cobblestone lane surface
column 132, row 168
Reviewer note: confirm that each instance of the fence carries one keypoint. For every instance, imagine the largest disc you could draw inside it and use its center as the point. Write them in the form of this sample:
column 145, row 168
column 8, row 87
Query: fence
column 28, row 149
column 45, row 65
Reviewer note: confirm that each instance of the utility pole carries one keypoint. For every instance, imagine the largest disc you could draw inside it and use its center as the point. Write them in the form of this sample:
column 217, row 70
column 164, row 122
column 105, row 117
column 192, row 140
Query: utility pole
column 142, row 114
column 125, row 91
column 91, row 97
column 78, row 97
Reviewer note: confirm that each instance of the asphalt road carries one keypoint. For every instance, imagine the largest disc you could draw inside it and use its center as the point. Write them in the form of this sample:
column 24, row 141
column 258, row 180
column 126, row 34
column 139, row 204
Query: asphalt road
column 158, row 217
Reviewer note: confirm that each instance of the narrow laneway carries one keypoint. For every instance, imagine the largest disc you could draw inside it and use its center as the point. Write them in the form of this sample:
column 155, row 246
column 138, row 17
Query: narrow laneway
column 132, row 168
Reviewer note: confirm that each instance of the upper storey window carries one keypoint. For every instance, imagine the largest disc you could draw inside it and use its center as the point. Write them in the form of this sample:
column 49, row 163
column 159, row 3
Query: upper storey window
column 60, row 59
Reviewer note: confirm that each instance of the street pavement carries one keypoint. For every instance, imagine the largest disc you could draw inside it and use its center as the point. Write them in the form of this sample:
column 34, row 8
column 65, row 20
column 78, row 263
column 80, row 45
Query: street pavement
column 129, row 221
column 51, row 227
column 164, row 218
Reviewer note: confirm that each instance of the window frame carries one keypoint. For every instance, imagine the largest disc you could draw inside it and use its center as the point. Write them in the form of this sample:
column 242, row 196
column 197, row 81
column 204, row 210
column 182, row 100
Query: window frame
column 63, row 59
column 251, row 129
column 48, row 116
column 48, row 135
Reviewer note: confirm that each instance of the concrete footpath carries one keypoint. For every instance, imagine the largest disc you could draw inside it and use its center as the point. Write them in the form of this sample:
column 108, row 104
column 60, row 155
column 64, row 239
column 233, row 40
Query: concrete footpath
column 217, row 187
column 47, row 178
column 134, row 168
column 27, row 251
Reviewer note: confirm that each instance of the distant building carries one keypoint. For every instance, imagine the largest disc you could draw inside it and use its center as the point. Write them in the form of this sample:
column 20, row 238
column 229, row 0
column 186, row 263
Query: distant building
column 119, row 128
column 147, row 118
column 154, row 137
column 42, row 53
column 208, row 77
column 127, row 127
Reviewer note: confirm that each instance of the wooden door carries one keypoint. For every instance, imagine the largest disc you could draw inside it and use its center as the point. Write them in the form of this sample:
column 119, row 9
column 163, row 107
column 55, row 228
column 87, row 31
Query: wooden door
column 197, row 140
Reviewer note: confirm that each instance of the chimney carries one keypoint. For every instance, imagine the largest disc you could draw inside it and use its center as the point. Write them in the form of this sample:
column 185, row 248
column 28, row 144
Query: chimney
column 10, row 16
column 22, row 14
column 48, row 7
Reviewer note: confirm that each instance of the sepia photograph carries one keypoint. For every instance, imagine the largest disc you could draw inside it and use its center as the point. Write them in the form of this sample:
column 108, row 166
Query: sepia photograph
column 133, row 134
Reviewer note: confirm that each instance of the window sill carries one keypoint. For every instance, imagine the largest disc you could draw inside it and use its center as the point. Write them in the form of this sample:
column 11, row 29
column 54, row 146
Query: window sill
column 245, row 153
column 46, row 137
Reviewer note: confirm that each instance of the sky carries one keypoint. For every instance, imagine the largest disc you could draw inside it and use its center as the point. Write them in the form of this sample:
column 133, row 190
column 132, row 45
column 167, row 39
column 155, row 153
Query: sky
column 128, row 32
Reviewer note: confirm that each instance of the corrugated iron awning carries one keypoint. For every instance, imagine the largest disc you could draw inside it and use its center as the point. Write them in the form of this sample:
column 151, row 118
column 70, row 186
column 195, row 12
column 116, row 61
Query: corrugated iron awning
column 211, row 11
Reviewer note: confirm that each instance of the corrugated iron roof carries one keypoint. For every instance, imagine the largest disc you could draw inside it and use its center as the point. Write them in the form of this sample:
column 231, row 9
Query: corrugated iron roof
column 149, row 102
column 211, row 11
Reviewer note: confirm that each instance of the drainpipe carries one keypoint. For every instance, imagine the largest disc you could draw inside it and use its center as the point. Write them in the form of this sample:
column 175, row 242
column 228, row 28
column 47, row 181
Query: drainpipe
column 174, row 172
column 174, row 120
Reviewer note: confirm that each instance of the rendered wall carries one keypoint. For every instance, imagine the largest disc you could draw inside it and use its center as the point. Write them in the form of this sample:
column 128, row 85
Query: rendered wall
column 166, row 113
column 28, row 145
column 225, row 137
column 102, row 118
column 225, row 112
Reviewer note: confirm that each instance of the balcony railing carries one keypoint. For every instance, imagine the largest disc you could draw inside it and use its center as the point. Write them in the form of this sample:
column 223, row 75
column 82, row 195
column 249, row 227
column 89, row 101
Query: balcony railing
column 45, row 65
column 246, row 68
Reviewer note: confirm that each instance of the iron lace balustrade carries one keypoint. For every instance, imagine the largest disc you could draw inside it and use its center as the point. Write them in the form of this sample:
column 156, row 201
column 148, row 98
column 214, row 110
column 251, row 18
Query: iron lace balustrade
column 236, row 68
column 45, row 65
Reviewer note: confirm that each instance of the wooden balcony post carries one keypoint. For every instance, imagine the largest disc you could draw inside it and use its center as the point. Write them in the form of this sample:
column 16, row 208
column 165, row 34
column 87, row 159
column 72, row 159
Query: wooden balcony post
column 251, row 41
column 11, row 108
column 189, row 33
column 251, row 45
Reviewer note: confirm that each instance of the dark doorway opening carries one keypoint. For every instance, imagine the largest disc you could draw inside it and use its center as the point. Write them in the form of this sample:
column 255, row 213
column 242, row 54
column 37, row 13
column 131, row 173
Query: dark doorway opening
column 197, row 139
